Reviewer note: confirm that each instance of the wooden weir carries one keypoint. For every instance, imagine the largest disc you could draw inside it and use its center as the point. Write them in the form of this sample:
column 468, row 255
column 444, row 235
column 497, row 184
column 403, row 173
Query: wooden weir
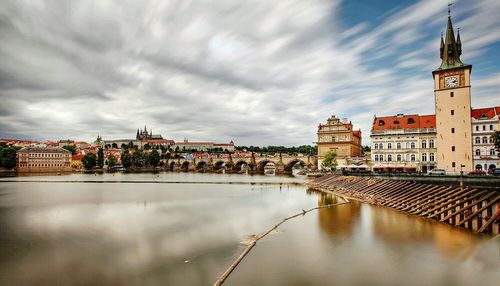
column 473, row 208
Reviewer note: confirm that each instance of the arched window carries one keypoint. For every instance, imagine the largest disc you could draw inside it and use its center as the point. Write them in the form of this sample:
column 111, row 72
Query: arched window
column 389, row 146
column 411, row 121
column 492, row 152
column 477, row 128
column 491, row 139
column 478, row 140
column 399, row 157
column 431, row 143
column 376, row 157
column 431, row 157
column 484, row 127
column 398, row 145
column 424, row 157
column 412, row 145
column 491, row 127
column 413, row 157
column 381, row 157
column 376, row 145
column 485, row 139
column 424, row 144
column 389, row 158
column 381, row 146
column 478, row 152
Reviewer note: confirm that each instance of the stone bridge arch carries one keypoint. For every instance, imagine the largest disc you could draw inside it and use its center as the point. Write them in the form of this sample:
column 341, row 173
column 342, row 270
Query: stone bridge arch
column 185, row 166
column 289, row 165
column 237, row 167
column 201, row 166
column 262, row 164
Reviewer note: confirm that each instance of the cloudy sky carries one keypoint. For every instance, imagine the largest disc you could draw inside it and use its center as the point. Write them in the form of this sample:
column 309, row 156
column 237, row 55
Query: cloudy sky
column 258, row 72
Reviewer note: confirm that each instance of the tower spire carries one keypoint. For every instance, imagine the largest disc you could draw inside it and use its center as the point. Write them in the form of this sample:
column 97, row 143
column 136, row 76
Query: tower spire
column 450, row 49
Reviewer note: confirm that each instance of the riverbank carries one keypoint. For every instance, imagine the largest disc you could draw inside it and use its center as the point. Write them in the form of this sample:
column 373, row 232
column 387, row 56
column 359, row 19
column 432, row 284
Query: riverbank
column 472, row 208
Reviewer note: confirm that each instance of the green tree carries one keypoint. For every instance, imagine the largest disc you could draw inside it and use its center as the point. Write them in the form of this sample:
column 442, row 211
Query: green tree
column 154, row 158
column 100, row 158
column 147, row 146
column 89, row 161
column 70, row 148
column 8, row 157
column 126, row 159
column 139, row 159
column 330, row 160
column 111, row 161
column 496, row 141
column 114, row 145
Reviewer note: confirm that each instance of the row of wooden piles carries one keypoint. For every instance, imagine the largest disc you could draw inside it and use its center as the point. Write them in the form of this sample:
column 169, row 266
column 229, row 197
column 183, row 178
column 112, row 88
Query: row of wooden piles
column 476, row 209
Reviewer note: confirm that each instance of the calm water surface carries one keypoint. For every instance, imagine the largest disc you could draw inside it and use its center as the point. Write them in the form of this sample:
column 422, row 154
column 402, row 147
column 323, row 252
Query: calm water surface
column 185, row 229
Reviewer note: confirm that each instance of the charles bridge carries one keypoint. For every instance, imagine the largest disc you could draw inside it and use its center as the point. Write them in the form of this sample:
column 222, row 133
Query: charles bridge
column 253, row 164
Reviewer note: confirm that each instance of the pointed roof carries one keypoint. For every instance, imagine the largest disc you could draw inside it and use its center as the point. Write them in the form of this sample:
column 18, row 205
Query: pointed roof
column 451, row 49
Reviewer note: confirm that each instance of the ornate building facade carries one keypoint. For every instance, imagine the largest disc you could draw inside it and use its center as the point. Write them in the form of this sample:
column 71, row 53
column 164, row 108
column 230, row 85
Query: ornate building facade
column 338, row 136
column 41, row 159
column 403, row 143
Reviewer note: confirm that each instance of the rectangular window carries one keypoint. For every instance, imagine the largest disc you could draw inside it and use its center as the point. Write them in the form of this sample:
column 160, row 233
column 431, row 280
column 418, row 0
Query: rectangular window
column 452, row 112
column 453, row 164
column 452, row 130
column 453, row 148
column 452, row 94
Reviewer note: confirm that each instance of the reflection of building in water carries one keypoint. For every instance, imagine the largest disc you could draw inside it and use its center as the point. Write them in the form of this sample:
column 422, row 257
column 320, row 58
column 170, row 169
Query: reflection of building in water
column 338, row 219
column 396, row 228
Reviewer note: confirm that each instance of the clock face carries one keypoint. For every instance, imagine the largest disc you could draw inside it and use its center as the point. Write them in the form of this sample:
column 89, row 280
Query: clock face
column 451, row 81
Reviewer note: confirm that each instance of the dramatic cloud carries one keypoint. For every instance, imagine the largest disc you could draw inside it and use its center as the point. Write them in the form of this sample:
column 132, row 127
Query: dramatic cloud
column 258, row 72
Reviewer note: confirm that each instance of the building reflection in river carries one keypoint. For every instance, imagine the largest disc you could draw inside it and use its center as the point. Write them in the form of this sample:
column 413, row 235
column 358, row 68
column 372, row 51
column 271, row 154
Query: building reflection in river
column 392, row 227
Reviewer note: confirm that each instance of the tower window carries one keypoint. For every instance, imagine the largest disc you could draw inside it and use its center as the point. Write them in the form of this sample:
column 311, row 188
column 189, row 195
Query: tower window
column 453, row 148
column 452, row 130
column 452, row 112
column 452, row 94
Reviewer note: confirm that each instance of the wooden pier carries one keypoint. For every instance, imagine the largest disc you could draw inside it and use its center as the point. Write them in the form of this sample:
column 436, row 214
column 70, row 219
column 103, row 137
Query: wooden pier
column 473, row 208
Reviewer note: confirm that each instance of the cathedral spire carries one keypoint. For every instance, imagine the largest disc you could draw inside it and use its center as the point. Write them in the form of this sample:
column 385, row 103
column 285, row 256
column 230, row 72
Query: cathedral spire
column 441, row 48
column 450, row 49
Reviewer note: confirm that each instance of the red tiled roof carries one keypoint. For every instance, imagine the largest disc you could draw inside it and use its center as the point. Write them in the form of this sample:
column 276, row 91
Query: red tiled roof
column 160, row 141
column 396, row 122
column 357, row 133
column 194, row 143
column 412, row 121
column 223, row 144
column 77, row 157
column 17, row 140
column 488, row 112
column 427, row 121
column 497, row 109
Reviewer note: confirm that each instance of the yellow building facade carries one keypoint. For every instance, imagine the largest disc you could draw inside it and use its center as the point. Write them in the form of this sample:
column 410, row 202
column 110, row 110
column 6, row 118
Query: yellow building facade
column 338, row 136
column 453, row 107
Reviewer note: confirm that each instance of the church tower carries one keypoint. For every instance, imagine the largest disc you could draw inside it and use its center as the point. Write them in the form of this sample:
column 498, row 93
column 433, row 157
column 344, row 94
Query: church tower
column 453, row 106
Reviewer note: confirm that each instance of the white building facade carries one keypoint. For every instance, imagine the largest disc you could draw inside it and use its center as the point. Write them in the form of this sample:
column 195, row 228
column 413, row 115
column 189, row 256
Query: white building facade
column 403, row 143
column 485, row 122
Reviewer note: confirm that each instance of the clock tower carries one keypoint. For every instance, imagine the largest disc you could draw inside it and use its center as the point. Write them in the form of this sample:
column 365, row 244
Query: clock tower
column 453, row 106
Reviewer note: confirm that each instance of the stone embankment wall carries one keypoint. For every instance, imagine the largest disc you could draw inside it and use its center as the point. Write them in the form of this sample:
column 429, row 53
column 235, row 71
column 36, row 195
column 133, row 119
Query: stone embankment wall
column 473, row 208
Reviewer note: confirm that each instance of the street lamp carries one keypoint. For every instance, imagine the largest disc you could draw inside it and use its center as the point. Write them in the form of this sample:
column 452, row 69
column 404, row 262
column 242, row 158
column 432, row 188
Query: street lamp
column 462, row 175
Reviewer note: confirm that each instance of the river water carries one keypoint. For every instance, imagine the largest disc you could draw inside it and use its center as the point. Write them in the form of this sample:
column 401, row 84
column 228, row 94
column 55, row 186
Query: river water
column 185, row 229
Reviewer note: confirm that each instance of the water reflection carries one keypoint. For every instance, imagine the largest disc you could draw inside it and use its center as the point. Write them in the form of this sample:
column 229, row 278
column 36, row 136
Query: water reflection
column 115, row 233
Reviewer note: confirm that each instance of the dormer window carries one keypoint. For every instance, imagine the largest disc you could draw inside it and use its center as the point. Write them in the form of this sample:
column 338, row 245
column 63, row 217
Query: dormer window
column 396, row 122
column 411, row 120
column 381, row 123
